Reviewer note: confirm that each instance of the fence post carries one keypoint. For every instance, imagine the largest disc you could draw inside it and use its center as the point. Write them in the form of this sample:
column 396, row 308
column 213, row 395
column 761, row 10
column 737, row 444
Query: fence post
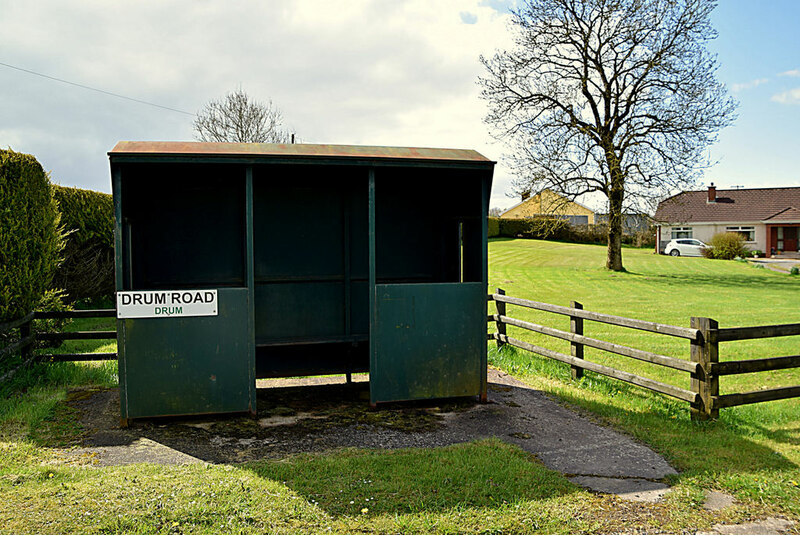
column 501, row 311
column 24, row 332
column 576, row 327
column 704, row 382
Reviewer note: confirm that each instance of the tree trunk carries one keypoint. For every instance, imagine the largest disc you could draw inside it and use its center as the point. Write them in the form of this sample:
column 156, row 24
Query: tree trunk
column 615, row 218
column 614, row 258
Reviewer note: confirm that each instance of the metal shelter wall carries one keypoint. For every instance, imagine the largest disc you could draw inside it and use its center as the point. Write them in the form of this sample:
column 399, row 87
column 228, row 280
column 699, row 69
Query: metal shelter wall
column 325, row 261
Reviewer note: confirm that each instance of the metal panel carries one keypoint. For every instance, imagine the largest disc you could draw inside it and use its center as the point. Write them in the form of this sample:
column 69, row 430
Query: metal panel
column 299, row 310
column 298, row 231
column 198, row 365
column 428, row 341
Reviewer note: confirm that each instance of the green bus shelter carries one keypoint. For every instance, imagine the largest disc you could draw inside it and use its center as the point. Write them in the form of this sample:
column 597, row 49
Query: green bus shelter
column 238, row 261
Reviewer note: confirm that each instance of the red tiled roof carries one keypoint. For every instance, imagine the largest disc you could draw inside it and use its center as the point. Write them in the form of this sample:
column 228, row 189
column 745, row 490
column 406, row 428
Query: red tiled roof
column 789, row 214
column 732, row 205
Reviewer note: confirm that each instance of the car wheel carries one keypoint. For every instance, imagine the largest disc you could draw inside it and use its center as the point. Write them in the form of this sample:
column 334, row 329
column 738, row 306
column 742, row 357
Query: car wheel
column 674, row 252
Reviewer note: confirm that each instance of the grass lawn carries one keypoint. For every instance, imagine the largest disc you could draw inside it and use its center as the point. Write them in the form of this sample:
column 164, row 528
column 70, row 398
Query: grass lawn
column 752, row 451
column 482, row 487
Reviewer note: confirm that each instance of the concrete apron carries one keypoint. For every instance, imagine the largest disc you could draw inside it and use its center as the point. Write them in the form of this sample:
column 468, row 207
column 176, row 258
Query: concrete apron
column 590, row 455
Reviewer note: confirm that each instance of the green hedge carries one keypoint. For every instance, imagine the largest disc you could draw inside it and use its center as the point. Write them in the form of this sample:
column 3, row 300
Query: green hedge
column 30, row 239
column 87, row 272
column 494, row 227
column 542, row 228
column 87, row 215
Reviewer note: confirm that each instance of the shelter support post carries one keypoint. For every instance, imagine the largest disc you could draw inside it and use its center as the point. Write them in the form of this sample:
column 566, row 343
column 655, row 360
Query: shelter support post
column 371, row 281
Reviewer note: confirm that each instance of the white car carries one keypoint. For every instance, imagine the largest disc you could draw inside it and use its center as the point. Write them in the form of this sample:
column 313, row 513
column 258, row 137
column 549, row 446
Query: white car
column 685, row 247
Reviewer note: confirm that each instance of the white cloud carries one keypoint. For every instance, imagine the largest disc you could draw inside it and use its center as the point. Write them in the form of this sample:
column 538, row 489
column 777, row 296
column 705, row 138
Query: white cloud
column 355, row 72
column 791, row 96
column 736, row 88
column 793, row 73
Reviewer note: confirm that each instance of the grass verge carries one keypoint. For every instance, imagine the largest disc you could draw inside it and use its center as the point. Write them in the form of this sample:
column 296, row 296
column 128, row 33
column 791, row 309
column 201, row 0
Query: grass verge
column 482, row 487
column 753, row 451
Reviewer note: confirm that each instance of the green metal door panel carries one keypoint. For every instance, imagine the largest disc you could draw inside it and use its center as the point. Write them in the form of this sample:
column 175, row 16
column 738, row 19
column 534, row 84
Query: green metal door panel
column 189, row 365
column 428, row 341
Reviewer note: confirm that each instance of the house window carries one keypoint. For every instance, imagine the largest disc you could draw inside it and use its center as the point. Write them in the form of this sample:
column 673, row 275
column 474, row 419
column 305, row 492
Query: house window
column 681, row 232
column 748, row 233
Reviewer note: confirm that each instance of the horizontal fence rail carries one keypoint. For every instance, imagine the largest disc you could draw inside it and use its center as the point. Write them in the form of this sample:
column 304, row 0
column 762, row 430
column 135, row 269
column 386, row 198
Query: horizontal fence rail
column 660, row 328
column 19, row 345
column 755, row 365
column 27, row 338
column 650, row 384
column 752, row 333
column 5, row 327
column 704, row 368
column 654, row 358
column 757, row 396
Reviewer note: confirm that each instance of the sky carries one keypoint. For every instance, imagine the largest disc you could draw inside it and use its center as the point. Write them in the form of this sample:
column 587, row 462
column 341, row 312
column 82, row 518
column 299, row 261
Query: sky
column 388, row 72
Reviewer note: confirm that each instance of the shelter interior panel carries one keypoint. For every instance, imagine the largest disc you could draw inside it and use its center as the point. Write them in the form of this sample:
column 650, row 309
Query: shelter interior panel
column 310, row 229
column 184, row 226
column 428, row 225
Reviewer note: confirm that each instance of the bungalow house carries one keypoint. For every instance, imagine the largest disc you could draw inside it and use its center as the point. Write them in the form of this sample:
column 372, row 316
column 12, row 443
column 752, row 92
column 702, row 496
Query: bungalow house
column 550, row 204
column 768, row 218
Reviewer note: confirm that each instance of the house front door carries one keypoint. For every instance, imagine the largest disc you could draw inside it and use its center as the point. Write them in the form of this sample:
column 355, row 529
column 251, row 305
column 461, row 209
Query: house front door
column 790, row 238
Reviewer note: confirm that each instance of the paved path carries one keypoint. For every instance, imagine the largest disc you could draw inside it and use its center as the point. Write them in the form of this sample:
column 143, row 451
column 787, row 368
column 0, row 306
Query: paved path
column 782, row 265
column 590, row 455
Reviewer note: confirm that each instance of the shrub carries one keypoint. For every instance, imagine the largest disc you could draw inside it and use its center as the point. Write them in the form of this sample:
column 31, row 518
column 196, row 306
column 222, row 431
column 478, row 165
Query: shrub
column 88, row 268
column 726, row 246
column 794, row 271
column 30, row 238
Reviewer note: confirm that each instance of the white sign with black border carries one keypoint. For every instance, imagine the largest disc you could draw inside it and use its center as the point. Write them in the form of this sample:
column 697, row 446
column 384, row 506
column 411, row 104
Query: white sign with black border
column 166, row 303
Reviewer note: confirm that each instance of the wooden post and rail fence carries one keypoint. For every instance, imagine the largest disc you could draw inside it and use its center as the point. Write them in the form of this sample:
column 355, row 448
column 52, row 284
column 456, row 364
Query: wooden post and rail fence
column 704, row 337
column 704, row 368
column 28, row 337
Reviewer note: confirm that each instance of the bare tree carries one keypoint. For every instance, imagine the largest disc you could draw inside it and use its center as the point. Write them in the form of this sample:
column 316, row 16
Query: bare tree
column 618, row 97
column 237, row 118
